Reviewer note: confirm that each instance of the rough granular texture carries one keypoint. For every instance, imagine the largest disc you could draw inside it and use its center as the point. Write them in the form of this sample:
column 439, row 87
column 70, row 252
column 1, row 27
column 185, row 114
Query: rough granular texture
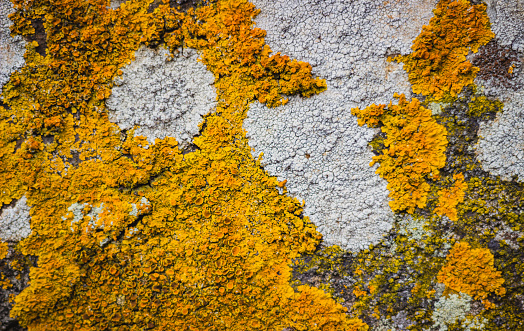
column 438, row 67
column 501, row 146
column 449, row 309
column 132, row 235
column 11, row 48
column 499, row 66
column 415, row 149
column 316, row 144
column 449, row 198
column 164, row 97
column 501, row 149
column 114, row 4
column 471, row 271
column 14, row 277
column 14, row 221
column 161, row 238
column 507, row 19
column 325, row 161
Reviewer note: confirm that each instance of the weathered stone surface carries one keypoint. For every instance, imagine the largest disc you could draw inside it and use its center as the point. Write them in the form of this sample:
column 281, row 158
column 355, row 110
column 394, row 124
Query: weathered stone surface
column 395, row 269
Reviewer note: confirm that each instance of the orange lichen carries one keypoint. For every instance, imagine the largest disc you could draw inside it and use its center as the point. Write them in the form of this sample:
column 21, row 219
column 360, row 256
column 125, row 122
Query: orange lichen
column 131, row 235
column 5, row 283
column 303, row 309
column 414, row 149
column 242, row 64
column 471, row 271
column 3, row 249
column 438, row 66
column 358, row 292
column 449, row 198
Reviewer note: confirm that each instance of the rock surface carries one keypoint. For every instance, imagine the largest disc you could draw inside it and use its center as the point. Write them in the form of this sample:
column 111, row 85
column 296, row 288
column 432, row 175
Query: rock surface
column 390, row 270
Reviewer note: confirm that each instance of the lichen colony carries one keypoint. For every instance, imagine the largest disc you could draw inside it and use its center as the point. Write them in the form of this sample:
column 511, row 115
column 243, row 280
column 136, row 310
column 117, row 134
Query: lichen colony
column 145, row 148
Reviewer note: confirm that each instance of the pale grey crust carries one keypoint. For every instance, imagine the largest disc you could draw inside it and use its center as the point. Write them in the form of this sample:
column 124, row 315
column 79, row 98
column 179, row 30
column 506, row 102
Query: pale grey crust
column 507, row 22
column 163, row 96
column 114, row 4
column 14, row 221
column 315, row 143
column 11, row 49
column 455, row 307
column 500, row 148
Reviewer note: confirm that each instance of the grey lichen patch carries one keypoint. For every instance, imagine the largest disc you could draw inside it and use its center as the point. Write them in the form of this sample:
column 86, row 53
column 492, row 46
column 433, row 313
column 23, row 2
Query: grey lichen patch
column 476, row 323
column 436, row 107
column 164, row 96
column 114, row 4
column 94, row 214
column 315, row 143
column 449, row 309
column 11, row 48
column 396, row 322
column 78, row 213
column 413, row 228
column 501, row 147
column 143, row 202
column 509, row 237
column 76, row 209
column 507, row 19
column 323, row 154
column 453, row 308
column 15, row 221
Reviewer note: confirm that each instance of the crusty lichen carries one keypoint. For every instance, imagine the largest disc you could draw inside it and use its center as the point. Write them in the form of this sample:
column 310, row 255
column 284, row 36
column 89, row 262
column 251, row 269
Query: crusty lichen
column 213, row 245
column 471, row 271
column 414, row 149
column 161, row 239
column 438, row 66
column 403, row 269
column 401, row 273
column 449, row 198
column 3, row 249
column 450, row 309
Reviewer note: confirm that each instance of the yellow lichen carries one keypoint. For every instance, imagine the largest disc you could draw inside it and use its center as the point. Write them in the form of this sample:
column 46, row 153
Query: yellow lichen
column 481, row 106
column 414, row 149
column 438, row 66
column 449, row 198
column 180, row 241
column 471, row 271
column 5, row 283
column 438, row 69
column 3, row 249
